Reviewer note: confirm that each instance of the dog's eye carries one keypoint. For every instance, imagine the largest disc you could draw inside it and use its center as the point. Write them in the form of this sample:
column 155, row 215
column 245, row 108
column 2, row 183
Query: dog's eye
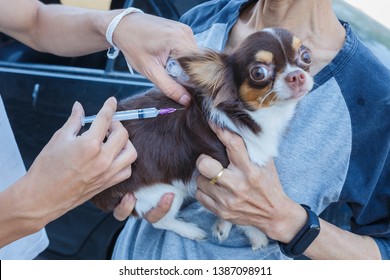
column 306, row 57
column 259, row 73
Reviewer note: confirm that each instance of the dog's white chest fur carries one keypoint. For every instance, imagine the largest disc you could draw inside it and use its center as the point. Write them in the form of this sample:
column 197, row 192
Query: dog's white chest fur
column 273, row 122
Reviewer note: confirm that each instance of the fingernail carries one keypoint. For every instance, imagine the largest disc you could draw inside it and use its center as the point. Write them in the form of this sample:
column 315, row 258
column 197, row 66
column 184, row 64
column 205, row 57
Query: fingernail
column 129, row 197
column 185, row 100
column 169, row 198
column 76, row 106
column 113, row 100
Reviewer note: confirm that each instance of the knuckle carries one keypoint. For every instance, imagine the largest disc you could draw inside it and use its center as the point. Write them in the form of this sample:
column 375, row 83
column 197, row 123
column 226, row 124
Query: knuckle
column 102, row 164
column 130, row 154
column 223, row 214
column 186, row 30
column 125, row 174
column 106, row 115
column 91, row 147
column 124, row 132
column 231, row 203
column 133, row 155
column 121, row 132
column 253, row 178
column 128, row 173
column 235, row 142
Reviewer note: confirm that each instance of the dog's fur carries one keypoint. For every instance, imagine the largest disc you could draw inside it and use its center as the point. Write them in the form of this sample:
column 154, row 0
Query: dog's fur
column 252, row 91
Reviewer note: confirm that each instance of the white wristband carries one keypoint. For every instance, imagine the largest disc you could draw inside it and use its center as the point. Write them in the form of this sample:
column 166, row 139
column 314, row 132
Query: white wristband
column 111, row 54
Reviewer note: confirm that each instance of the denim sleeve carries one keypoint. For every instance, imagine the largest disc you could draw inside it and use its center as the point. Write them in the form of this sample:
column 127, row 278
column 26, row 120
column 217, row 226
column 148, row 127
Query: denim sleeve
column 384, row 247
column 366, row 187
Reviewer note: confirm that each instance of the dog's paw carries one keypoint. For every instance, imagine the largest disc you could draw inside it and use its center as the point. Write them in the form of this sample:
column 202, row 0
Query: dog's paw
column 183, row 228
column 259, row 243
column 257, row 238
column 190, row 231
column 194, row 232
column 222, row 229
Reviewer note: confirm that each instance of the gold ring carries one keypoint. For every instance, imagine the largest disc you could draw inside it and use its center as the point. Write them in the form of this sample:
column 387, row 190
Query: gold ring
column 215, row 179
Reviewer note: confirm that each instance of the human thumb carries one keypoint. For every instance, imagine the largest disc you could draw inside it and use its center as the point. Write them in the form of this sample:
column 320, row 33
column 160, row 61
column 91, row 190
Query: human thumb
column 73, row 124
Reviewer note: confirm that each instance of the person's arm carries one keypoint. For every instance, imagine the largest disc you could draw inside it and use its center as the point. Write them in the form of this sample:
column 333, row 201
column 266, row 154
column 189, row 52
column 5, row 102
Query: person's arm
column 57, row 29
column 145, row 40
column 250, row 195
column 70, row 169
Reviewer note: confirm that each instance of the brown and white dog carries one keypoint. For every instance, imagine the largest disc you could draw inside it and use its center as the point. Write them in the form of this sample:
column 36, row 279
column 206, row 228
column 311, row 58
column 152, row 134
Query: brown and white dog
column 252, row 91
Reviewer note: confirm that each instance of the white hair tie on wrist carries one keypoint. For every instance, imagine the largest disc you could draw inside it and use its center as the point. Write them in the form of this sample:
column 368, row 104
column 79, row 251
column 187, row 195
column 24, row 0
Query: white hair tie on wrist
column 113, row 52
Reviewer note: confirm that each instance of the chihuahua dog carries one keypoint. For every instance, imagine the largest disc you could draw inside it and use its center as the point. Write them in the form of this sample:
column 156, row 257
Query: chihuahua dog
column 252, row 91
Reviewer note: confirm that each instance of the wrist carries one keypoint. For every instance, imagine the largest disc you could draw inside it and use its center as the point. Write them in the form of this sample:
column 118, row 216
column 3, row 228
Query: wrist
column 103, row 22
column 113, row 51
column 305, row 236
column 290, row 221
column 28, row 210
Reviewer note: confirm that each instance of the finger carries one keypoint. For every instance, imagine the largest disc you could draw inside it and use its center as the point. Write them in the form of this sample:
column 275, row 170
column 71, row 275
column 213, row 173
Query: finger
column 117, row 139
column 103, row 120
column 206, row 200
column 125, row 207
column 128, row 152
column 204, row 185
column 73, row 124
column 235, row 146
column 169, row 86
column 118, row 177
column 210, row 168
column 162, row 208
column 120, row 168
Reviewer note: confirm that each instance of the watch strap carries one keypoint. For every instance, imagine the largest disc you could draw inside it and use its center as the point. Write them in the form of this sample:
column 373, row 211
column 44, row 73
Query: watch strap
column 305, row 236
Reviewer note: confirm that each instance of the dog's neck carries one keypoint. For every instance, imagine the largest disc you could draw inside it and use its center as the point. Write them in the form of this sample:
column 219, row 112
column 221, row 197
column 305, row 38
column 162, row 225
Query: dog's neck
column 272, row 121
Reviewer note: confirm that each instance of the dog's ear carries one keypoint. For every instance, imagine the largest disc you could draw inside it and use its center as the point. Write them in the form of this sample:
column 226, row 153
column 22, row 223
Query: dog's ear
column 209, row 71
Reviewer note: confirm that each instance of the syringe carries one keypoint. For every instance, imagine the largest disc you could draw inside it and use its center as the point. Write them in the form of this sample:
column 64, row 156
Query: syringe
column 132, row 114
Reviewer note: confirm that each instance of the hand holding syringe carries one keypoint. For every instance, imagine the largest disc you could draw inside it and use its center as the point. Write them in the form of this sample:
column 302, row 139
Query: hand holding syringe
column 133, row 114
column 174, row 69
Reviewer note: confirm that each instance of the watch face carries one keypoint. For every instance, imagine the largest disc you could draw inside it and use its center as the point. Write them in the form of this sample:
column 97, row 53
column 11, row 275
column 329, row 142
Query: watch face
column 315, row 227
column 307, row 239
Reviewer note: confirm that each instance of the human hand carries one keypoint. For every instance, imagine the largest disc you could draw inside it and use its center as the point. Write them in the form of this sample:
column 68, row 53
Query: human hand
column 163, row 37
column 126, row 207
column 246, row 193
column 73, row 168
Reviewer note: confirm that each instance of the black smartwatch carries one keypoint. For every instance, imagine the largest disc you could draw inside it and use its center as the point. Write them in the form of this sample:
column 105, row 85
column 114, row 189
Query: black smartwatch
column 304, row 237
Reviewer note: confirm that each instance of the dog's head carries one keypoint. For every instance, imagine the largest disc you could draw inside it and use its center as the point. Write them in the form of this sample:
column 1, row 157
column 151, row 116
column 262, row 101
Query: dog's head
column 269, row 67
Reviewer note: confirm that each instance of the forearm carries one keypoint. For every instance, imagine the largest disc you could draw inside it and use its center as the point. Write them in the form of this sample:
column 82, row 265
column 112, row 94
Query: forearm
column 70, row 31
column 58, row 29
column 16, row 220
column 332, row 243
column 336, row 243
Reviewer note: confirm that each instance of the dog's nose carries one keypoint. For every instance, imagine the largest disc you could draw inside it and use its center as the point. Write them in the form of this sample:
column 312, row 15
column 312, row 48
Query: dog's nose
column 296, row 79
column 299, row 83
